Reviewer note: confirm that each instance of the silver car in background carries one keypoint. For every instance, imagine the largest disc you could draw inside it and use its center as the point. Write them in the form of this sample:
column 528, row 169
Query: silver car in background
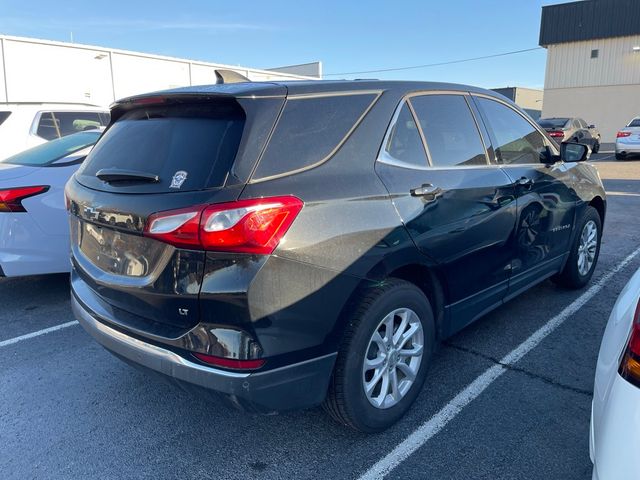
column 628, row 140
column 34, row 227
column 564, row 129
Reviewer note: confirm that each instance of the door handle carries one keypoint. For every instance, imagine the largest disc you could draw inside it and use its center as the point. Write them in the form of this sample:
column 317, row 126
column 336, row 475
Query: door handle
column 524, row 182
column 426, row 190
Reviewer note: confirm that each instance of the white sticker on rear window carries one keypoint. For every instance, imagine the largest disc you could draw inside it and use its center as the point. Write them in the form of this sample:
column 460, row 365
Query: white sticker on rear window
column 178, row 179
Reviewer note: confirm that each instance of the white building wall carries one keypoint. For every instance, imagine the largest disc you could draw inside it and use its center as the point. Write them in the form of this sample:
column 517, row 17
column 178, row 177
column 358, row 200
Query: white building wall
column 44, row 71
column 571, row 65
column 604, row 91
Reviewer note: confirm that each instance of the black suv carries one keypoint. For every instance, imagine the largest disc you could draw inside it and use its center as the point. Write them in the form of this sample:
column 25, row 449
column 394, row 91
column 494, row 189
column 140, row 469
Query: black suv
column 292, row 244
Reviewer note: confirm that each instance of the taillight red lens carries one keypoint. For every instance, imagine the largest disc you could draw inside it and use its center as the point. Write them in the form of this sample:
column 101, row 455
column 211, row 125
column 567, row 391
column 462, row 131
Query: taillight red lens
column 230, row 362
column 246, row 226
column 630, row 365
column 11, row 198
column 556, row 134
column 623, row 134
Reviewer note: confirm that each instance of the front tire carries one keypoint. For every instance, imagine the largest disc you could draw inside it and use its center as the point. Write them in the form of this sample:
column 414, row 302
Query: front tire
column 620, row 156
column 584, row 253
column 596, row 147
column 384, row 357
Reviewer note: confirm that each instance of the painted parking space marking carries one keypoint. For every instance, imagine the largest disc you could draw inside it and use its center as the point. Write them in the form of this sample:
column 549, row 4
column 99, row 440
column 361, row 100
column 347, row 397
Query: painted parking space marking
column 436, row 423
column 624, row 194
column 27, row 336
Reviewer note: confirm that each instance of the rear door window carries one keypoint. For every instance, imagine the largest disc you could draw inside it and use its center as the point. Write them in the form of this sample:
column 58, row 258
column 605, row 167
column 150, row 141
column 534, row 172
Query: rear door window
column 450, row 130
column 310, row 130
column 189, row 147
column 514, row 139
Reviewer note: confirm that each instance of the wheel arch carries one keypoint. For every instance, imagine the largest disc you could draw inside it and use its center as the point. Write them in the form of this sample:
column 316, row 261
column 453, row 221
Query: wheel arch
column 598, row 203
column 414, row 269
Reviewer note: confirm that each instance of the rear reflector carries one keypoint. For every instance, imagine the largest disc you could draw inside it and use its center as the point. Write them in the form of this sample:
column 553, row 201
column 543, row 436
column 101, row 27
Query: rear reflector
column 630, row 365
column 11, row 198
column 246, row 226
column 623, row 134
column 230, row 362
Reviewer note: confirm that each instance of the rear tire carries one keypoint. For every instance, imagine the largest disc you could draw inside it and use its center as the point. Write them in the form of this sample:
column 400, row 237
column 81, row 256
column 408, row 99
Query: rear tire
column 596, row 147
column 584, row 253
column 357, row 395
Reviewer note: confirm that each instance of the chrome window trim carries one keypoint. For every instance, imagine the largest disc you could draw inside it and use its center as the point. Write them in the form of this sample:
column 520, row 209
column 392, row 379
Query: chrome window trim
column 384, row 157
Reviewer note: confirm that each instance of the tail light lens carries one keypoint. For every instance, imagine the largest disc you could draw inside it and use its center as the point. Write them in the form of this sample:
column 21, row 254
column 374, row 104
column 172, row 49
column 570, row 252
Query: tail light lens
column 246, row 226
column 11, row 198
column 556, row 134
column 630, row 365
column 623, row 134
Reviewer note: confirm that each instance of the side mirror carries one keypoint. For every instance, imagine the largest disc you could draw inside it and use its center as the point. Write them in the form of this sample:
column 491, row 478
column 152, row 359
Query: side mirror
column 592, row 126
column 573, row 152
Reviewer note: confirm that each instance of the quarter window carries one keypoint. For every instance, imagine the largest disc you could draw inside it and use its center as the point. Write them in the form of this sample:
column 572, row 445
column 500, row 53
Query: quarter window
column 404, row 143
column 450, row 131
column 514, row 139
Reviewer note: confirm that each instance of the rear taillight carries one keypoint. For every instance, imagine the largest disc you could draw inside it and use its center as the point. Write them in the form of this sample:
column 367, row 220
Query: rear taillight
column 230, row 362
column 623, row 134
column 246, row 226
column 556, row 134
column 630, row 365
column 11, row 198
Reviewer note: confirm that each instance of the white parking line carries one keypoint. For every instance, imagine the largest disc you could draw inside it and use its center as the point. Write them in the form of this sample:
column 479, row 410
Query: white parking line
column 436, row 423
column 27, row 336
column 624, row 194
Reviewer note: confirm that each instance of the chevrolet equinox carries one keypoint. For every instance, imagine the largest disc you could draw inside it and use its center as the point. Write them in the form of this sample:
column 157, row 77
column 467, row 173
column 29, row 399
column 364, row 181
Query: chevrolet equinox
column 294, row 244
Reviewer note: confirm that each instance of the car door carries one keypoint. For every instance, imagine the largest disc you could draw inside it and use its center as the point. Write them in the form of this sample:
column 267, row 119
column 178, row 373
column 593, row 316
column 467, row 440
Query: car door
column 544, row 193
column 459, row 209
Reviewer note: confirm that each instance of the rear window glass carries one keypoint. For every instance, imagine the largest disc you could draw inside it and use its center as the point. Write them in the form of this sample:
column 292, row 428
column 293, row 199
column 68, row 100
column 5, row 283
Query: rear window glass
column 634, row 123
column 55, row 150
column 4, row 116
column 194, row 144
column 553, row 122
column 310, row 130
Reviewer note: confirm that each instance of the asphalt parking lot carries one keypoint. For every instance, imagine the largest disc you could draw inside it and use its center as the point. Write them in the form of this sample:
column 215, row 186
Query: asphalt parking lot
column 68, row 409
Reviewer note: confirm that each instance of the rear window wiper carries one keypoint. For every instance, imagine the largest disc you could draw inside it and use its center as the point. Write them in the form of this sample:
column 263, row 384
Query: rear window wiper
column 117, row 175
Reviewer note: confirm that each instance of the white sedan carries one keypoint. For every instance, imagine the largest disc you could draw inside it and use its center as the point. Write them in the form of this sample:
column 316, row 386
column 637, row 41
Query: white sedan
column 615, row 413
column 34, row 228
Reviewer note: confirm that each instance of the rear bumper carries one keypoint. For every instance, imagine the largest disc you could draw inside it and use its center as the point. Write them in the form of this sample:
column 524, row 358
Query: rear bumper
column 622, row 147
column 26, row 250
column 292, row 387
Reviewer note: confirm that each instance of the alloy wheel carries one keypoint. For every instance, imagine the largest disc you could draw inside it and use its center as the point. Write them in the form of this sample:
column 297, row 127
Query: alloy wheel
column 587, row 247
column 393, row 358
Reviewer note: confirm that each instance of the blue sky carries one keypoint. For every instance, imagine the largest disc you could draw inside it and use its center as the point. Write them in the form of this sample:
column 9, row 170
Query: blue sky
column 345, row 36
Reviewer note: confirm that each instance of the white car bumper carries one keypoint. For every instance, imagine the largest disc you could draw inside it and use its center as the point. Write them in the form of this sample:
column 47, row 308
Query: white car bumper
column 615, row 433
column 25, row 249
